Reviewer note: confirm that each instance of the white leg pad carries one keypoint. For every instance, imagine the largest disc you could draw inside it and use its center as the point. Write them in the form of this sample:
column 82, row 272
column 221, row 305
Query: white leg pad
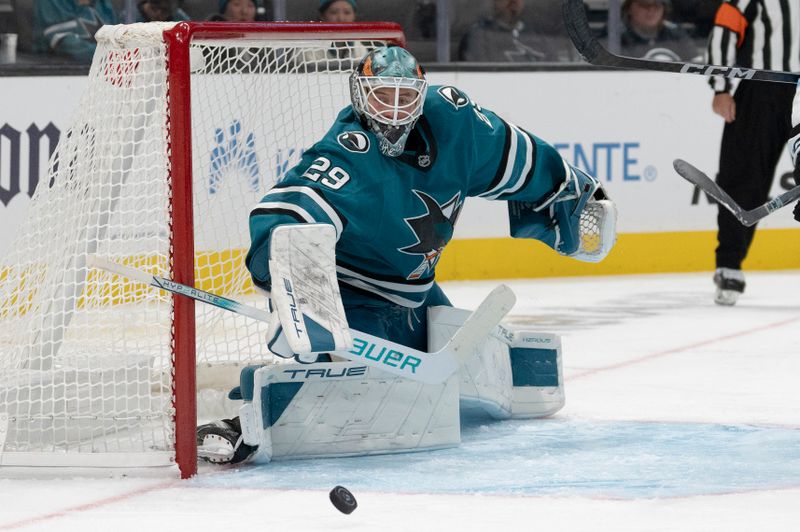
column 538, row 376
column 485, row 376
column 514, row 374
column 346, row 409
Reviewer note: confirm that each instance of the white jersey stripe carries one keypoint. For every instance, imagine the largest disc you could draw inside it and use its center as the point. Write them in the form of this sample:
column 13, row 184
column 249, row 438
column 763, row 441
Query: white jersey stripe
column 304, row 214
column 525, row 169
column 316, row 198
column 399, row 287
column 511, row 160
column 394, row 298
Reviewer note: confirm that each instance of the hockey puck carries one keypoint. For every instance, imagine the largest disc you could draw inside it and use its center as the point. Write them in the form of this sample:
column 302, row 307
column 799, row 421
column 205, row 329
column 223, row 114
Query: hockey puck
column 343, row 500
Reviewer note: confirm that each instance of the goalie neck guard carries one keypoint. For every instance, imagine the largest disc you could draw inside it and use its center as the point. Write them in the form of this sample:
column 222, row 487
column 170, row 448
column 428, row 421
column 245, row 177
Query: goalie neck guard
column 387, row 90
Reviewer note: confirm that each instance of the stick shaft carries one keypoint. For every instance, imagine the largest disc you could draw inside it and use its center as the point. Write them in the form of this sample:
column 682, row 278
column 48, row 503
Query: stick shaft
column 748, row 218
column 590, row 48
column 370, row 350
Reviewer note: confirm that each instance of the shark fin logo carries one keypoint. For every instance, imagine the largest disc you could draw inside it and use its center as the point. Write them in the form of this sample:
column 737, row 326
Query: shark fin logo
column 433, row 231
column 456, row 98
column 354, row 141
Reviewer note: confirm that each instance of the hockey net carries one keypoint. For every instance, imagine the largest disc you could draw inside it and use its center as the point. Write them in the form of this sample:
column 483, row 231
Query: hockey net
column 181, row 130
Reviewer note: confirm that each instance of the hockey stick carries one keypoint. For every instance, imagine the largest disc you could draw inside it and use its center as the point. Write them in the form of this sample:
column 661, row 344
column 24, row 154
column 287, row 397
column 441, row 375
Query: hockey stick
column 748, row 218
column 431, row 368
column 593, row 52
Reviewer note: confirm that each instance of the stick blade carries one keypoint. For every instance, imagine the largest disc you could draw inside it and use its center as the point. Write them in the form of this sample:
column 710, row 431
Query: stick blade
column 693, row 175
column 481, row 322
column 706, row 184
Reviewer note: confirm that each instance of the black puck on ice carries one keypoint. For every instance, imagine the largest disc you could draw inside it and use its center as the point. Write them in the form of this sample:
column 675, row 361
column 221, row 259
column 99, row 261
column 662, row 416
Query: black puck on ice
column 343, row 500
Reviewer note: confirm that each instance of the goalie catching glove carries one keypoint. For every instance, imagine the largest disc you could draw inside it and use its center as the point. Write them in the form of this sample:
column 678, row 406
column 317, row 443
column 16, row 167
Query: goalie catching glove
column 577, row 219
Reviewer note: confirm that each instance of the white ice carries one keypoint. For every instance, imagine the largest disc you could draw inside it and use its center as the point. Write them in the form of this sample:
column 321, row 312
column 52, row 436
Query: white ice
column 680, row 415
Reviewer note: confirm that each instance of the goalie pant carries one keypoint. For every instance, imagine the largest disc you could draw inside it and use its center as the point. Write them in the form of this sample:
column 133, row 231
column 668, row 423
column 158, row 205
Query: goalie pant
column 335, row 409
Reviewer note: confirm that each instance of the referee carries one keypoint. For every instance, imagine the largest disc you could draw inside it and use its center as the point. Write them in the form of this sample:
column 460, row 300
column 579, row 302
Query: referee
column 762, row 34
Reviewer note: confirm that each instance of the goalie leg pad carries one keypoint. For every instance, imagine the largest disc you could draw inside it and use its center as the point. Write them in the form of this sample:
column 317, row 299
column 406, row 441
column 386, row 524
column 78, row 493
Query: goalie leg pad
column 537, row 374
column 337, row 409
column 485, row 377
column 514, row 374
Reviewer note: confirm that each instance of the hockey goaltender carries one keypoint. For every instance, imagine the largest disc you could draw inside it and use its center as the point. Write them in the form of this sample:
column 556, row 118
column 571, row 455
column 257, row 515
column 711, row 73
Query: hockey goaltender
column 346, row 245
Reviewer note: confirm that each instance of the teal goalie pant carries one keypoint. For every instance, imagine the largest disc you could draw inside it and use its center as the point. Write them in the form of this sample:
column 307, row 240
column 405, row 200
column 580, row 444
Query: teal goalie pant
column 376, row 316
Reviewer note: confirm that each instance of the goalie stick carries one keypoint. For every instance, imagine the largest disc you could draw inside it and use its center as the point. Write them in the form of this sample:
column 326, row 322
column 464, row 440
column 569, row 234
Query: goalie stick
column 748, row 218
column 593, row 52
column 431, row 368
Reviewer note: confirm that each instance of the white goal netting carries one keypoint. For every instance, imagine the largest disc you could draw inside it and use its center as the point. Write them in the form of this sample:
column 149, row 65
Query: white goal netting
column 86, row 359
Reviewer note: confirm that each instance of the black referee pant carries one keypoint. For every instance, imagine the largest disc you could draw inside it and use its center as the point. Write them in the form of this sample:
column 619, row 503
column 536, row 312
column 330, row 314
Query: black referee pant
column 751, row 147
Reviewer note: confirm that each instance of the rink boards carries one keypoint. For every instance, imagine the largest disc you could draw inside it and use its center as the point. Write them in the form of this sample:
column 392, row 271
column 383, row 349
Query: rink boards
column 624, row 127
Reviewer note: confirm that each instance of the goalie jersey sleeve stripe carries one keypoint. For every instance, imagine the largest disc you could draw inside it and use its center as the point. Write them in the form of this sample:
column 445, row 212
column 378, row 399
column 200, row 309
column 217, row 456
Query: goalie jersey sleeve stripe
column 519, row 160
column 501, row 168
column 278, row 207
column 308, row 203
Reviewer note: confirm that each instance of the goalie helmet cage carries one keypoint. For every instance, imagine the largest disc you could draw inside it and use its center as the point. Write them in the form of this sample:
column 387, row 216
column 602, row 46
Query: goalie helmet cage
column 181, row 130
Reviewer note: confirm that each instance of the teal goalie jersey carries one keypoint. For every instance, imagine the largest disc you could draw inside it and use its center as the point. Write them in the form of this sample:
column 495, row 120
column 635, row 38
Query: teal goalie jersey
column 394, row 215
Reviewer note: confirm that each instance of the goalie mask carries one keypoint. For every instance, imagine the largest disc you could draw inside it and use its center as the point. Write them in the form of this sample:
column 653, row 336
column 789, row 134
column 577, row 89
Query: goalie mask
column 388, row 89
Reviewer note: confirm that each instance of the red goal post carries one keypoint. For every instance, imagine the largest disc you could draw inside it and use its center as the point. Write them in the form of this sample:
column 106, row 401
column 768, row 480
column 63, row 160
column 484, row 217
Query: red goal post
column 182, row 128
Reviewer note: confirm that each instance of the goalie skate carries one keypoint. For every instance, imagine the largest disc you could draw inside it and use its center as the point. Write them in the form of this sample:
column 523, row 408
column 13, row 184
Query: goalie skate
column 221, row 442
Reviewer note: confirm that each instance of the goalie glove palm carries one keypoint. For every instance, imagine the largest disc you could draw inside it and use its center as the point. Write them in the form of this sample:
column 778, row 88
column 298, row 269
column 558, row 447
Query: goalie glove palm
column 577, row 219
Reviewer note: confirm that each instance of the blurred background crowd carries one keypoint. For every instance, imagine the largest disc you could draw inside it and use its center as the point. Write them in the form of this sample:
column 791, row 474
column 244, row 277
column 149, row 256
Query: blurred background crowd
column 438, row 31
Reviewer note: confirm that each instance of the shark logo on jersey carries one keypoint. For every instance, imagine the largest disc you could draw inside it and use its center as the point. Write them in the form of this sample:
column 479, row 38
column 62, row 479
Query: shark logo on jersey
column 354, row 141
column 80, row 27
column 456, row 98
column 433, row 230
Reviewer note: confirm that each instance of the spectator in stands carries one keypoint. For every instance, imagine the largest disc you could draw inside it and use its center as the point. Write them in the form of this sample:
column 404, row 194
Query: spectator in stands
column 158, row 11
column 503, row 37
column 235, row 11
column 315, row 58
column 67, row 27
column 337, row 11
column 647, row 33
column 423, row 19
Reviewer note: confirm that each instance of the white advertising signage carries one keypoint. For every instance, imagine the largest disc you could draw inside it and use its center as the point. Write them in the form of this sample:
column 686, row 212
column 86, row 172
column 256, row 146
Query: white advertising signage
column 624, row 127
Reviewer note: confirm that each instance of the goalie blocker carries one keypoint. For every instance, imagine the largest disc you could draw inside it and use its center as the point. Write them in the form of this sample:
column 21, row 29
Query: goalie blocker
column 335, row 409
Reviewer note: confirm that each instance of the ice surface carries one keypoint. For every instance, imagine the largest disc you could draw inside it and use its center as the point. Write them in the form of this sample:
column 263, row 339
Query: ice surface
column 680, row 415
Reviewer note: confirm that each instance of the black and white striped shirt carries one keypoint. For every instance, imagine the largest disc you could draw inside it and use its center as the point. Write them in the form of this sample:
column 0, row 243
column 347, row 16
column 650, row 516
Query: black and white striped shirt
column 763, row 34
